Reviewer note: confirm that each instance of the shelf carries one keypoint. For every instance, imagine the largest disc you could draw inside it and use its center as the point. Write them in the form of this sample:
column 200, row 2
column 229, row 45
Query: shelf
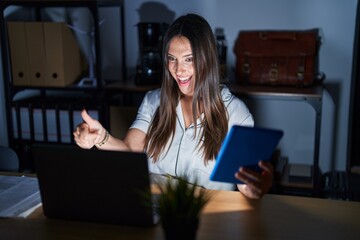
column 311, row 95
column 56, row 100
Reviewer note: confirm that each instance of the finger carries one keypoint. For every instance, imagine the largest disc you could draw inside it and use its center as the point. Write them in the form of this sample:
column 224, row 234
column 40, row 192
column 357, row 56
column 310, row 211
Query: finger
column 256, row 192
column 241, row 177
column 249, row 174
column 88, row 119
column 253, row 185
column 81, row 128
column 266, row 166
column 247, row 180
column 249, row 191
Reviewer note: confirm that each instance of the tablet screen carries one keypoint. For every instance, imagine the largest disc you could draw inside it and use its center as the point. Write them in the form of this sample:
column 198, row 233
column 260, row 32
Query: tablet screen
column 244, row 147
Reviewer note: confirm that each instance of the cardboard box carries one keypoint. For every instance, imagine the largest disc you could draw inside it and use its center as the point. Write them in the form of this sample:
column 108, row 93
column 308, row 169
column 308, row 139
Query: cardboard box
column 44, row 54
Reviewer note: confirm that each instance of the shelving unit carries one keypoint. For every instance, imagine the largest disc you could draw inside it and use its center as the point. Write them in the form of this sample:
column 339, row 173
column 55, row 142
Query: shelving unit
column 68, row 99
column 310, row 95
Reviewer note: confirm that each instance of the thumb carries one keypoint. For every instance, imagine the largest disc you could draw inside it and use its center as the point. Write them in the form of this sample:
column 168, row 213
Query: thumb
column 92, row 123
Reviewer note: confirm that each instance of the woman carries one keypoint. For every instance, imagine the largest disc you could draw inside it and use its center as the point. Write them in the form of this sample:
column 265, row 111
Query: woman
column 182, row 125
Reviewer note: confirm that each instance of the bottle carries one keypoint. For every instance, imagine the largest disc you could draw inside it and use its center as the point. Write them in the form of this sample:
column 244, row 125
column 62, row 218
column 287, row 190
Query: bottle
column 221, row 45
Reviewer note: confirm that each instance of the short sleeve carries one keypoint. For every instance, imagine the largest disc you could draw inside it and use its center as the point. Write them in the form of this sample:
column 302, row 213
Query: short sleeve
column 147, row 110
column 238, row 112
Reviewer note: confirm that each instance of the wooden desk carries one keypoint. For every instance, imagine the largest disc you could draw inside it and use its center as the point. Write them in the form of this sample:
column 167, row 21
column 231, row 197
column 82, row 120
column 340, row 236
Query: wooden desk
column 227, row 216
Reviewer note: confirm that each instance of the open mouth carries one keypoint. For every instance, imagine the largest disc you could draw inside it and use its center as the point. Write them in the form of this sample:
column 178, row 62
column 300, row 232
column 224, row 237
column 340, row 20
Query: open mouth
column 184, row 81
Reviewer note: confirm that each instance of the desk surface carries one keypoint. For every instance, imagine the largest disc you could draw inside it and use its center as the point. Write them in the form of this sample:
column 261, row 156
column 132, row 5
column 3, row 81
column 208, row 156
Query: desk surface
column 227, row 216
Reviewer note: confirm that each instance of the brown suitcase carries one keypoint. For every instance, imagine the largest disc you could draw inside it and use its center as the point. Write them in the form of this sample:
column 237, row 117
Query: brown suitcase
column 278, row 57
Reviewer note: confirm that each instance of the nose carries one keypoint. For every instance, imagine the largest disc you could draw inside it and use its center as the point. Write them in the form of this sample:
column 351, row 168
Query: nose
column 179, row 68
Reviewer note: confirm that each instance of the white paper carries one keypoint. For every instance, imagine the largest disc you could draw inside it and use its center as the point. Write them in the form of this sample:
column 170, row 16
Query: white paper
column 19, row 196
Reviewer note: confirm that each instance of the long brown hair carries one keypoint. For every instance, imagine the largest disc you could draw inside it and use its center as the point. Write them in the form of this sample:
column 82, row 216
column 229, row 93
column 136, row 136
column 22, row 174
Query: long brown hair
column 207, row 92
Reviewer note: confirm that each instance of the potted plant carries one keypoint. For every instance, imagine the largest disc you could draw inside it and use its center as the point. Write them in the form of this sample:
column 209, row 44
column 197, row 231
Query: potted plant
column 179, row 205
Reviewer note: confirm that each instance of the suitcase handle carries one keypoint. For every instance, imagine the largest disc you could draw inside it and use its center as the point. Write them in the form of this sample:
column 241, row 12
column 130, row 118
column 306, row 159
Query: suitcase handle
column 277, row 36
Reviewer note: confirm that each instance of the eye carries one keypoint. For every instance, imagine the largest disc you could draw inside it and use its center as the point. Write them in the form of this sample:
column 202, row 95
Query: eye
column 171, row 58
column 189, row 59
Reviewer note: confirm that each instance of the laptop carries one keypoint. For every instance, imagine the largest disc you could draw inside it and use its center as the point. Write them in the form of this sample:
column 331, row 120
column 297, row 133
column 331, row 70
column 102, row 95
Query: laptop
column 244, row 147
column 93, row 185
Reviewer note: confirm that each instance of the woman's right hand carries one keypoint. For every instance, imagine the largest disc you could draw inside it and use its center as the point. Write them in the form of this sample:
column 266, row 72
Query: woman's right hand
column 88, row 133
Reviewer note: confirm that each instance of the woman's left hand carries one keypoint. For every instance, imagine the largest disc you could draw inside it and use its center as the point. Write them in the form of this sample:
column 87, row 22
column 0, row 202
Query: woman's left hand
column 256, row 184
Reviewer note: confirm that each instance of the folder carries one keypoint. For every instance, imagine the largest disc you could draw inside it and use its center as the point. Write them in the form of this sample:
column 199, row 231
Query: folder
column 38, row 124
column 44, row 54
column 14, row 123
column 63, row 56
column 18, row 53
column 51, row 125
column 24, row 123
column 65, row 130
column 36, row 53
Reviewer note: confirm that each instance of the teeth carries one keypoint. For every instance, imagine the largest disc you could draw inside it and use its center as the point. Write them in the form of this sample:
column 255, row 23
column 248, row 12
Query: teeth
column 183, row 79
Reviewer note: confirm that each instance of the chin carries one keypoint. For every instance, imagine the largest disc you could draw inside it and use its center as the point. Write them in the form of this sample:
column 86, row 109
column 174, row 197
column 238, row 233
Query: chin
column 188, row 93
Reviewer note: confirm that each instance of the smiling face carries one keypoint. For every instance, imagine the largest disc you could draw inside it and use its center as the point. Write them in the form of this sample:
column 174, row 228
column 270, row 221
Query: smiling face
column 180, row 64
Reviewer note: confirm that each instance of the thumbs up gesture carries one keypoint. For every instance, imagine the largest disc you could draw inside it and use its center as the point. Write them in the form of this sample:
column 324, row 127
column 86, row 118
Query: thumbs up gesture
column 89, row 132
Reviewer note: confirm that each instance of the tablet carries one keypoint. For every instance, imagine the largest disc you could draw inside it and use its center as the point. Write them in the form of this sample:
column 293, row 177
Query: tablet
column 244, row 147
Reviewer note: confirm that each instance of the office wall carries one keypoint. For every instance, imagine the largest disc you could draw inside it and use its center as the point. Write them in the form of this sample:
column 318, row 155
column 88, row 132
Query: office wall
column 335, row 18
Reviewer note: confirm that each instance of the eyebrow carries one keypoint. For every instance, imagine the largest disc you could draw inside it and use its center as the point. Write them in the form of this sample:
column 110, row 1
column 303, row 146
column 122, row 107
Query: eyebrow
column 187, row 55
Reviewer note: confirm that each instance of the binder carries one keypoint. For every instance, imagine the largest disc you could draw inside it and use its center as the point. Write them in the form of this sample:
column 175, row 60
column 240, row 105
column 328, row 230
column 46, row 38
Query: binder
column 36, row 52
column 44, row 54
column 51, row 125
column 38, row 125
column 65, row 129
column 63, row 56
column 14, row 123
column 18, row 54
column 24, row 123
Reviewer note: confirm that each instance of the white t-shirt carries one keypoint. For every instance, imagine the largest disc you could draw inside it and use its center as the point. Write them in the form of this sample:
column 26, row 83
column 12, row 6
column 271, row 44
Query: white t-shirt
column 183, row 156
